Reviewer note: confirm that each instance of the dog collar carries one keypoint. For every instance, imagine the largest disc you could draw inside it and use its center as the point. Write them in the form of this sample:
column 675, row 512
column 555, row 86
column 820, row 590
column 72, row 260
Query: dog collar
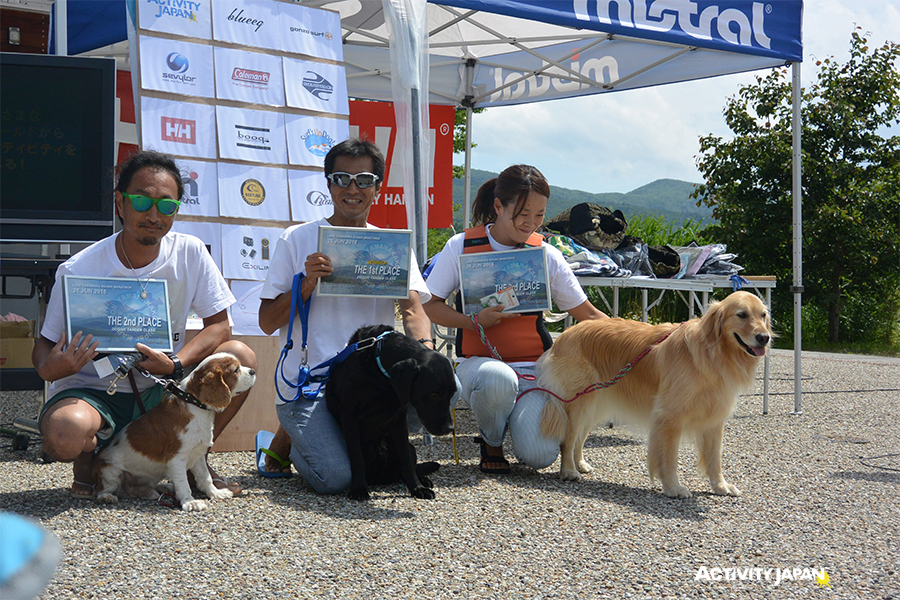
column 376, row 341
column 184, row 395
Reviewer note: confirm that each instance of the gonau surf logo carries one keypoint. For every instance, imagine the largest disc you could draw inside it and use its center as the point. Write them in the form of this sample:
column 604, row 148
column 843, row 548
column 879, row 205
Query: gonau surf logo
column 180, row 9
column 318, row 86
column 247, row 75
column 318, row 142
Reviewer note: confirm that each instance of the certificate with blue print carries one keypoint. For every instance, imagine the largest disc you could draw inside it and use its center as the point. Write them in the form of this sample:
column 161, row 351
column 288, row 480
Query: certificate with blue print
column 118, row 312
column 368, row 263
column 517, row 279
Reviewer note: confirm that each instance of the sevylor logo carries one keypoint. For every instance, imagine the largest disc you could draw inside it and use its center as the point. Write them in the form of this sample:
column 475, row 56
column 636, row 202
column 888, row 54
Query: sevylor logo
column 178, row 63
column 732, row 25
column 318, row 86
column 248, row 76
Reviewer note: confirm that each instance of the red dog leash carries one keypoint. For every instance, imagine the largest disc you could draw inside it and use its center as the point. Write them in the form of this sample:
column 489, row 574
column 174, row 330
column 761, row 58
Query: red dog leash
column 493, row 351
column 599, row 386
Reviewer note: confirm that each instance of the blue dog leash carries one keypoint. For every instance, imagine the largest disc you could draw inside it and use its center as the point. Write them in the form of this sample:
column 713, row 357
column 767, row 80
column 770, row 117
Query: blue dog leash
column 306, row 375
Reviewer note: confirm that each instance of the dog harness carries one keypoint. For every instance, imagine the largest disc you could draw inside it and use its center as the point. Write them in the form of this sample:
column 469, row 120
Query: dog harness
column 514, row 339
column 306, row 375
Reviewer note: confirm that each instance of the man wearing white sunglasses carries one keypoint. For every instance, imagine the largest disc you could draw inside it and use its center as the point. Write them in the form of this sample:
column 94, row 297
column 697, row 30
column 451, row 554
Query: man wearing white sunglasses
column 309, row 437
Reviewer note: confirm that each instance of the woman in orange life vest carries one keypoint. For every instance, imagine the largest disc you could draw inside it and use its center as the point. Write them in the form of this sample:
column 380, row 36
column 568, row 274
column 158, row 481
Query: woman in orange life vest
column 507, row 212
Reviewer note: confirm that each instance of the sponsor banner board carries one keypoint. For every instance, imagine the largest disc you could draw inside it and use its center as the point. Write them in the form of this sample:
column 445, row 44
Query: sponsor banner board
column 311, row 32
column 253, row 135
column 245, row 310
column 310, row 199
column 310, row 138
column 316, row 86
column 247, row 22
column 249, row 77
column 182, row 17
column 209, row 233
column 176, row 67
column 180, row 128
column 201, row 191
column 253, row 192
column 247, row 250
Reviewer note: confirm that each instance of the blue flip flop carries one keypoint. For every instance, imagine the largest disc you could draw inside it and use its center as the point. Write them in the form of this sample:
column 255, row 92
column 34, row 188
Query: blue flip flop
column 263, row 441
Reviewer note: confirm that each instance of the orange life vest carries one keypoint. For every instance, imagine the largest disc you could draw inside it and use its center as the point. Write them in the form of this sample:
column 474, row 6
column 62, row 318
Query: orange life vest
column 521, row 339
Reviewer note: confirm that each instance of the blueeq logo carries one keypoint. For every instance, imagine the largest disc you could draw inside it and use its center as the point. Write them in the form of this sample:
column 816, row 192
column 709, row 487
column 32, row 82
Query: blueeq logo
column 318, row 86
column 317, row 198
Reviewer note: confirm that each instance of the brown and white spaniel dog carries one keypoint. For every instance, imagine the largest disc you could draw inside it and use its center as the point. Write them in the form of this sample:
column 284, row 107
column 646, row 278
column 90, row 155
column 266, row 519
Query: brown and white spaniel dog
column 173, row 437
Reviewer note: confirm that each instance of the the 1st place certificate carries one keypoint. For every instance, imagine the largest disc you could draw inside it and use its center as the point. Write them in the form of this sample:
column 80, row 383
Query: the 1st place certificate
column 118, row 312
column 368, row 263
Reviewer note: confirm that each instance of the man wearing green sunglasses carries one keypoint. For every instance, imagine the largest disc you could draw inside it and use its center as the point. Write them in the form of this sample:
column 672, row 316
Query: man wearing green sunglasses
column 80, row 416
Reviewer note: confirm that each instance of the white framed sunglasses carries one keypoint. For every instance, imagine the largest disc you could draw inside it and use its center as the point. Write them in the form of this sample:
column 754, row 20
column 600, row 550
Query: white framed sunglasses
column 363, row 180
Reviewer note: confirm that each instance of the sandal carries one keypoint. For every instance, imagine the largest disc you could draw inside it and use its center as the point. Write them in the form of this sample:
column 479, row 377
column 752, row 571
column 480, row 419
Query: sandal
column 489, row 458
column 263, row 440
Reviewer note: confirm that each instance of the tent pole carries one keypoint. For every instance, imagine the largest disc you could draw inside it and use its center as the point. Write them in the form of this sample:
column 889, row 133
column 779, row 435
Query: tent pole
column 797, row 194
column 467, row 202
column 420, row 228
column 62, row 27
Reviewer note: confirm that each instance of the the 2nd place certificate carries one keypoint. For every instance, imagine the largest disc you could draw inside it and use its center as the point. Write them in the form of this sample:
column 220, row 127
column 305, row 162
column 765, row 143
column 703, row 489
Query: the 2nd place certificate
column 118, row 312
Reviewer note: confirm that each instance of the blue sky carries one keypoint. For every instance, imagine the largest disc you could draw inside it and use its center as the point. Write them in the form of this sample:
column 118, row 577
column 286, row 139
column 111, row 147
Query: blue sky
column 644, row 135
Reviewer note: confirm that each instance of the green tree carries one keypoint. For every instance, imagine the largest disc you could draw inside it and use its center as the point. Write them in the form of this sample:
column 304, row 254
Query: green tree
column 459, row 137
column 850, row 182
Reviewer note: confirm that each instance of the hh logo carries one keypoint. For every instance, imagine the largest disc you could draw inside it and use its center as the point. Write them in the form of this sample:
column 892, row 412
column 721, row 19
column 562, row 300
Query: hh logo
column 183, row 131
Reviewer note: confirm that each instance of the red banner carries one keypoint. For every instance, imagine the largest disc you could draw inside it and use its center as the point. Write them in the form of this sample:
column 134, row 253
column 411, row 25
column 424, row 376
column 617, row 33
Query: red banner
column 375, row 121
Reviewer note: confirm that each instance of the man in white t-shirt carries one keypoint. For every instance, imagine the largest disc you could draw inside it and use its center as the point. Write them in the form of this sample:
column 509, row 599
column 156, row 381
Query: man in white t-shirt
column 80, row 416
column 309, row 436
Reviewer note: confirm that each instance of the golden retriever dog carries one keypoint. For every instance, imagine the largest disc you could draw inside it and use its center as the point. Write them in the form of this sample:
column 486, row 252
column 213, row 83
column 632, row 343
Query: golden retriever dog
column 686, row 384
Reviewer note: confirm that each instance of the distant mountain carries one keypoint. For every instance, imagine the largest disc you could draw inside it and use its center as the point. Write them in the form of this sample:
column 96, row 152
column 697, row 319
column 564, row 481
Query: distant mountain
column 667, row 197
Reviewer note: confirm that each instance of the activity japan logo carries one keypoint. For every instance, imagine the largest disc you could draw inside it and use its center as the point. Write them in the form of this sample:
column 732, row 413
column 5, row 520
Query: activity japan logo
column 256, row 138
column 318, row 86
column 318, row 142
column 182, row 131
column 179, row 9
column 178, row 64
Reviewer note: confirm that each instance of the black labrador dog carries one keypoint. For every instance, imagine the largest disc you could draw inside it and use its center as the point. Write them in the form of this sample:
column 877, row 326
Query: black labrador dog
column 369, row 393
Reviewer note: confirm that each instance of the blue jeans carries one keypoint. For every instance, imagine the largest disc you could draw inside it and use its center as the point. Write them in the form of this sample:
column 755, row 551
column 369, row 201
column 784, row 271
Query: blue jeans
column 491, row 387
column 318, row 450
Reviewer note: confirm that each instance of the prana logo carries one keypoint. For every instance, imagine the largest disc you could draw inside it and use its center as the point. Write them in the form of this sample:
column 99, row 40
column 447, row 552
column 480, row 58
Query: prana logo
column 317, row 198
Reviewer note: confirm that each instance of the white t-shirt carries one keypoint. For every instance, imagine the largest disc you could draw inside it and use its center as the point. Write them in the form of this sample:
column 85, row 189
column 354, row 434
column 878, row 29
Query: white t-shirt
column 194, row 285
column 332, row 319
column 565, row 290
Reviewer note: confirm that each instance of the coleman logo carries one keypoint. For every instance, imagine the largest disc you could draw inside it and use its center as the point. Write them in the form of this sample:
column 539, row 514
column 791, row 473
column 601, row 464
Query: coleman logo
column 318, row 86
column 240, row 74
column 183, row 131
column 253, row 192
column 253, row 137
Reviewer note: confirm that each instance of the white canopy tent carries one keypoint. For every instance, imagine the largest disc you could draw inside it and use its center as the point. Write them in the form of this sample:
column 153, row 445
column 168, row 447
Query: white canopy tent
column 486, row 53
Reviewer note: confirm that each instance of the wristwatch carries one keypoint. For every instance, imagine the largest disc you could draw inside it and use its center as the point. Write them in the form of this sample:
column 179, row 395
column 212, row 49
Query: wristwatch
column 178, row 373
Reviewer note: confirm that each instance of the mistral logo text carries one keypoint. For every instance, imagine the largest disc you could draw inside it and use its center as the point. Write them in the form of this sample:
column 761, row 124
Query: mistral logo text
column 732, row 25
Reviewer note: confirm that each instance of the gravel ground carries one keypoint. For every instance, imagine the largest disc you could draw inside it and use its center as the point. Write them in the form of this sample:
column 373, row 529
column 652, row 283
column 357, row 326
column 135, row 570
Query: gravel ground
column 813, row 498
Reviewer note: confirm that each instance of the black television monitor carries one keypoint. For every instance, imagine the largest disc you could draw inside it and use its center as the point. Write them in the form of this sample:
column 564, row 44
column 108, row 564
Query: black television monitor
column 57, row 145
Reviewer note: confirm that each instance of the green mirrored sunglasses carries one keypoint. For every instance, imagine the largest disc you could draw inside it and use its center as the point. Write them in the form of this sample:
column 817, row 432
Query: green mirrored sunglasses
column 165, row 206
